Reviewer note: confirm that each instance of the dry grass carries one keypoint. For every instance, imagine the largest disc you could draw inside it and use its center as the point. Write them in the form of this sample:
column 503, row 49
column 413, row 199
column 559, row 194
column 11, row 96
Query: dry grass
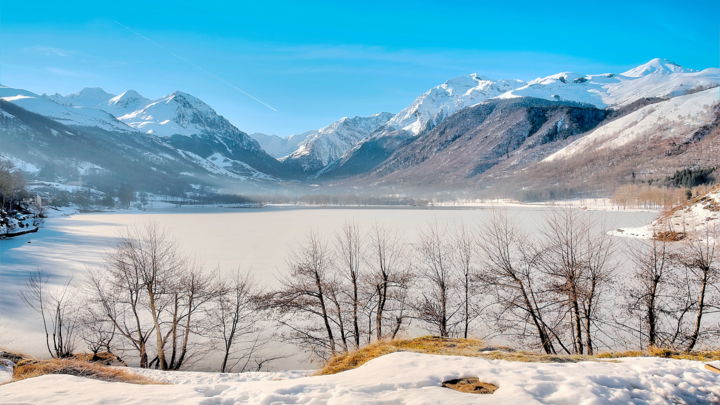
column 669, row 236
column 476, row 348
column 33, row 368
column 437, row 345
column 710, row 355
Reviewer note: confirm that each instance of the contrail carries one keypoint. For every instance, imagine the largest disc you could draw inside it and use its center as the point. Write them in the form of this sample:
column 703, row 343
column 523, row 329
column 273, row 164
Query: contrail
column 196, row 66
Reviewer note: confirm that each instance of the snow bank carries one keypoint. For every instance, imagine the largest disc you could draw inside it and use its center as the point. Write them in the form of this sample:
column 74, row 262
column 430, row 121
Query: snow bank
column 410, row 378
column 6, row 370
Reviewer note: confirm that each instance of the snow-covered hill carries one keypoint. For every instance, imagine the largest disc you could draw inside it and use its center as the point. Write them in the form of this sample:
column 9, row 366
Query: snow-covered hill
column 65, row 114
column 403, row 378
column 656, row 78
column 324, row 145
column 670, row 118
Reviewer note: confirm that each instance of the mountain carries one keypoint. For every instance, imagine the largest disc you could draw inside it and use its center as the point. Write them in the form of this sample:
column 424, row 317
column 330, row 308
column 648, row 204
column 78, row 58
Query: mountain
column 278, row 146
column 443, row 100
column 461, row 149
column 89, row 97
column 209, row 146
column 425, row 112
column 97, row 98
column 658, row 78
column 619, row 94
column 653, row 123
column 327, row 144
column 65, row 114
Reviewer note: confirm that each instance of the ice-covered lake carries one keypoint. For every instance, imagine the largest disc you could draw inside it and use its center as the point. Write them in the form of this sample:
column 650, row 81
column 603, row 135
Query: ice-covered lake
column 257, row 240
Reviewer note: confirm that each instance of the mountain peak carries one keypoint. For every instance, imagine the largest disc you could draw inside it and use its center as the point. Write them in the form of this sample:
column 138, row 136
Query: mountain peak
column 658, row 66
column 126, row 97
column 93, row 92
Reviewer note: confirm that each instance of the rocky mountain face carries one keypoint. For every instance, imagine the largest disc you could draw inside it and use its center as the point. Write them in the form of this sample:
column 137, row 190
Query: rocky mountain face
column 323, row 146
column 471, row 142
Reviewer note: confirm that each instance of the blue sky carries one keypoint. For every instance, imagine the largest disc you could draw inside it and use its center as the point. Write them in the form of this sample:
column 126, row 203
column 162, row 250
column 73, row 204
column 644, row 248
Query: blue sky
column 284, row 67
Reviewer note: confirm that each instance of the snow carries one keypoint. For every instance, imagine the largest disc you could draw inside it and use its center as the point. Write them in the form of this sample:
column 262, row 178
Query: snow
column 445, row 99
column 19, row 163
column 656, row 78
column 408, row 378
column 6, row 370
column 176, row 114
column 331, row 142
column 670, row 118
column 64, row 114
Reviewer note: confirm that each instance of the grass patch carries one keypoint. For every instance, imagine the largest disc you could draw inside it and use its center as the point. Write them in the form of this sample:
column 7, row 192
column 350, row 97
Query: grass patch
column 437, row 345
column 710, row 355
column 35, row 368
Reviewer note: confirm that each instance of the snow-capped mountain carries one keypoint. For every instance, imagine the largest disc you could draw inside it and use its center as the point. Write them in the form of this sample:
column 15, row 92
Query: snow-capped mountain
column 329, row 143
column 656, row 78
column 125, row 103
column 65, row 114
column 445, row 99
column 89, row 97
column 94, row 97
column 278, row 146
column 176, row 114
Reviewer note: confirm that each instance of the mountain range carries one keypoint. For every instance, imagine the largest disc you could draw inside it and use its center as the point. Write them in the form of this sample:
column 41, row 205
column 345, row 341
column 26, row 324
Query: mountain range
column 469, row 133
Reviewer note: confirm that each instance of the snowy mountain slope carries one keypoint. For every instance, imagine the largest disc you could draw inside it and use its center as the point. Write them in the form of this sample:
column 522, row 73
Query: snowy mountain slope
column 656, row 78
column 89, row 97
column 182, row 122
column 331, row 142
column 445, row 99
column 278, row 146
column 424, row 113
column 117, row 105
column 405, row 378
column 473, row 141
column 65, row 114
column 679, row 115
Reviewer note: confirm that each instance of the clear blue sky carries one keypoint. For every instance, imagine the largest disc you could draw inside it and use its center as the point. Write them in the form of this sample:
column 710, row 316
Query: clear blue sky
column 313, row 62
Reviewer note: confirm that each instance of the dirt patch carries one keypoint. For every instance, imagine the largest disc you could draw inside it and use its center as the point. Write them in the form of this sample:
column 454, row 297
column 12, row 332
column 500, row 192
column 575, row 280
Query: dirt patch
column 470, row 385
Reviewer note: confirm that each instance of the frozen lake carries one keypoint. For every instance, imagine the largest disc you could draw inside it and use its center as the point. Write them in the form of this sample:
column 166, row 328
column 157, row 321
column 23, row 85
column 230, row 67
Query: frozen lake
column 255, row 240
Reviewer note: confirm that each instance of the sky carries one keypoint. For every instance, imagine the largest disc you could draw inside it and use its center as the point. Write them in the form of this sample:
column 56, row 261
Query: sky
column 284, row 67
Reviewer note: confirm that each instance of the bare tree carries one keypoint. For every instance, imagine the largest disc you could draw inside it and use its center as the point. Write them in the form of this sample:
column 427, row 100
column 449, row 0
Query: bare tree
column 233, row 316
column 350, row 252
column 700, row 258
column 96, row 331
column 436, row 306
column 510, row 270
column 464, row 261
column 57, row 313
column 651, row 274
column 302, row 304
column 388, row 282
column 148, row 289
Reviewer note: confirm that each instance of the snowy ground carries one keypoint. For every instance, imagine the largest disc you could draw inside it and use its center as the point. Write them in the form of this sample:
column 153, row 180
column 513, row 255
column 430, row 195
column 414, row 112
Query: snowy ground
column 405, row 378
column 696, row 218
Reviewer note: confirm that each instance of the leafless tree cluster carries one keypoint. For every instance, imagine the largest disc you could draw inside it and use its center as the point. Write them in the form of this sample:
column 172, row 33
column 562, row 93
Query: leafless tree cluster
column 674, row 295
column 339, row 296
column 12, row 184
column 165, row 307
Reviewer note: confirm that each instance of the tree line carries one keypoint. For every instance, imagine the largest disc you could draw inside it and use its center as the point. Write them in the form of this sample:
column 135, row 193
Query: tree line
column 565, row 289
